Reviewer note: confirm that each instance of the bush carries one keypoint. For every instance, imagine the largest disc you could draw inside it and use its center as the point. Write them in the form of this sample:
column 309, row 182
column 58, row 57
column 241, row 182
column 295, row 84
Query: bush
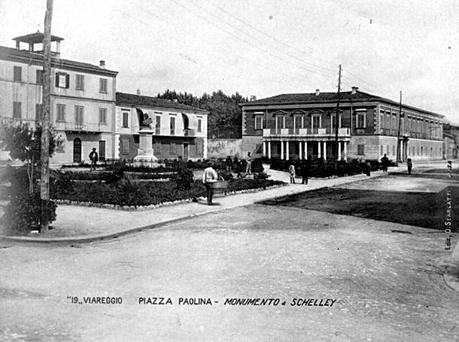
column 183, row 178
column 257, row 165
column 23, row 212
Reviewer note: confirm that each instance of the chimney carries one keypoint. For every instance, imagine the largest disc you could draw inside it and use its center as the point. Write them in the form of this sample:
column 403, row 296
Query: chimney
column 354, row 90
column 317, row 92
column 102, row 63
column 138, row 91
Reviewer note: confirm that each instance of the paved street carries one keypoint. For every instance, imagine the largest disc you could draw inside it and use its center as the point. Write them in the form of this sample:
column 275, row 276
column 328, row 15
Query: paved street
column 388, row 286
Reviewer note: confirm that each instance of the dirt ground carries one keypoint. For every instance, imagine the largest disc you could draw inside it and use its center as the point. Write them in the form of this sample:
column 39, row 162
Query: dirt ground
column 387, row 285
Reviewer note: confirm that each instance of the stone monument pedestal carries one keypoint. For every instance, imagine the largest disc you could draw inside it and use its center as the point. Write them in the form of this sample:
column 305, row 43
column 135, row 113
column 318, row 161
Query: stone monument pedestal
column 145, row 156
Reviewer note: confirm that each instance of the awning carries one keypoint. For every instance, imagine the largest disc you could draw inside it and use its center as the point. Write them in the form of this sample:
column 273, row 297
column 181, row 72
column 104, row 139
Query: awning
column 190, row 121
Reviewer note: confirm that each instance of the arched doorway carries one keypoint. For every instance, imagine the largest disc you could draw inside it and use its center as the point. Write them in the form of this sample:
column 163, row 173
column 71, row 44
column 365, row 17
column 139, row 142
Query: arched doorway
column 77, row 150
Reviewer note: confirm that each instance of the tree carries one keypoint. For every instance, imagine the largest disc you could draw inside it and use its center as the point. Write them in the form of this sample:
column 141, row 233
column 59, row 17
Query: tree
column 24, row 144
column 23, row 211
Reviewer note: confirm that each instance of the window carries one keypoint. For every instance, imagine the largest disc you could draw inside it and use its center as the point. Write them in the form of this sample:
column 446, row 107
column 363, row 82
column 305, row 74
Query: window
column 125, row 146
column 280, row 119
column 393, row 150
column 332, row 122
column 199, row 125
column 62, row 80
column 361, row 119
column 39, row 76
column 387, row 149
column 17, row 110
column 103, row 116
column 79, row 82
column 158, row 125
column 381, row 120
column 79, row 111
column 172, row 125
column 382, row 149
column 17, row 74
column 60, row 112
column 360, row 149
column 38, row 111
column 316, row 121
column 258, row 121
column 297, row 122
column 103, row 85
column 172, row 148
column 125, row 123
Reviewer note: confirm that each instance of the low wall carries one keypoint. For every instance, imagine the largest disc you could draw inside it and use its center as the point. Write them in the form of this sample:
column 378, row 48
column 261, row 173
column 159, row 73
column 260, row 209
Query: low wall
column 221, row 148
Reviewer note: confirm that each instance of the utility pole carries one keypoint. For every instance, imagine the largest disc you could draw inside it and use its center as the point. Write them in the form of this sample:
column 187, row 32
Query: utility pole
column 398, row 131
column 337, row 119
column 44, row 155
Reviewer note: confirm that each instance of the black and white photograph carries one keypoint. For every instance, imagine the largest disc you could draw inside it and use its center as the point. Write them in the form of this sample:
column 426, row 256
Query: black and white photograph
column 247, row 170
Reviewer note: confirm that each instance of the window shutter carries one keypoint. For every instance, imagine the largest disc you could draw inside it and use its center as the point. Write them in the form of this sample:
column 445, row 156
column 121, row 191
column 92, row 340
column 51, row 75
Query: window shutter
column 57, row 79
column 67, row 81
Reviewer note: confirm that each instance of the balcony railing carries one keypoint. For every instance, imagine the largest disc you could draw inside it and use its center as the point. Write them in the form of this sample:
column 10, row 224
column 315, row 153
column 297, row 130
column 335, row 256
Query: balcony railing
column 304, row 132
column 81, row 127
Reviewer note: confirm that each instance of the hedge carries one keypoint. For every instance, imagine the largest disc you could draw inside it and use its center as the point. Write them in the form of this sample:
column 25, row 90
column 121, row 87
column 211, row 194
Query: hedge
column 127, row 193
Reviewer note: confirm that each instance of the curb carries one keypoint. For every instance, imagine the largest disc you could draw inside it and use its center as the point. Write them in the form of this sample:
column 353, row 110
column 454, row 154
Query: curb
column 88, row 239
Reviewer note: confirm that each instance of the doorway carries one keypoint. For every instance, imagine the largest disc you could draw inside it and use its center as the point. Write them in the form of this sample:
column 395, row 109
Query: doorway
column 185, row 151
column 77, row 150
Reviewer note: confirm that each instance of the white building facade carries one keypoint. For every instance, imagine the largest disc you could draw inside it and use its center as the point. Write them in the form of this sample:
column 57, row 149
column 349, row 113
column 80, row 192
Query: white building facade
column 178, row 130
column 82, row 99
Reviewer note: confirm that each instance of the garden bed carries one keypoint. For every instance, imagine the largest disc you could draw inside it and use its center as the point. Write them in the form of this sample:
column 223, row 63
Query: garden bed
column 130, row 194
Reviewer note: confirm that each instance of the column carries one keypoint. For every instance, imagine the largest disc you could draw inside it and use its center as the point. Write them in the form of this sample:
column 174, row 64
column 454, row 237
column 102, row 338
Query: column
column 282, row 149
column 287, row 153
column 325, row 150
column 339, row 150
column 300, row 154
column 345, row 151
column 269, row 149
column 319, row 152
column 306, row 150
column 264, row 148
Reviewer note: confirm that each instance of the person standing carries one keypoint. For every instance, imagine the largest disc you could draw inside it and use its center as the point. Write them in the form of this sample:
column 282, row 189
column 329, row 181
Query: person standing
column 93, row 157
column 384, row 163
column 304, row 171
column 248, row 168
column 409, row 165
column 291, row 171
column 209, row 178
column 229, row 164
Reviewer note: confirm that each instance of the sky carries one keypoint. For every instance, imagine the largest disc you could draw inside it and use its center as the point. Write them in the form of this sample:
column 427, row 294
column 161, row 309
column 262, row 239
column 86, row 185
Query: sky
column 260, row 48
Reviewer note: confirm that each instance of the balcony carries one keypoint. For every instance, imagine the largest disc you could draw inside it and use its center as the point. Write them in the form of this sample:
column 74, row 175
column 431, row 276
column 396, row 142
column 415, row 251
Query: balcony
column 81, row 127
column 305, row 133
column 189, row 132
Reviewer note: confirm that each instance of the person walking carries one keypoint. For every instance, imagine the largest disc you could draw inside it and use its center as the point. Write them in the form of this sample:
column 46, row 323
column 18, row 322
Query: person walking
column 291, row 171
column 209, row 178
column 409, row 165
column 93, row 157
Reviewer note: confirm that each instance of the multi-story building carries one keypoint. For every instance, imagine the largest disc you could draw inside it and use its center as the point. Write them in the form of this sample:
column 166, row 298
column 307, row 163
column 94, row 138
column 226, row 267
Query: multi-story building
column 300, row 126
column 178, row 130
column 82, row 98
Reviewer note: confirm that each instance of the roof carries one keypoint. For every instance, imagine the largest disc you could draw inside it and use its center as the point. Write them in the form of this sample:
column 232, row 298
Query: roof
column 29, row 57
column 328, row 97
column 125, row 99
column 36, row 37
